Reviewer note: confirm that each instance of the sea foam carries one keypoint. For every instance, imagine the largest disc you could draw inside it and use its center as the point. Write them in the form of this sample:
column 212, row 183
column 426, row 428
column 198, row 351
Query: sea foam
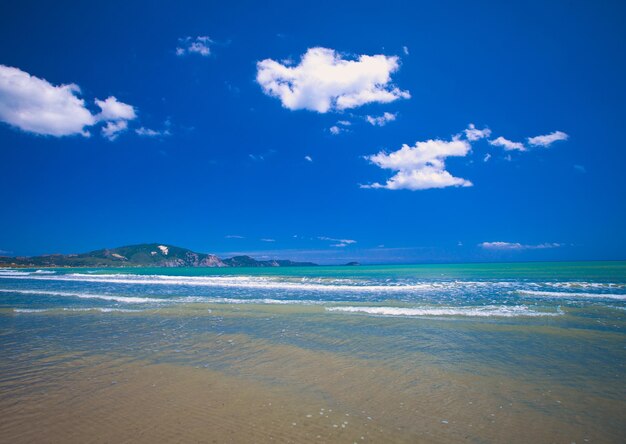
column 560, row 294
column 106, row 297
column 481, row 311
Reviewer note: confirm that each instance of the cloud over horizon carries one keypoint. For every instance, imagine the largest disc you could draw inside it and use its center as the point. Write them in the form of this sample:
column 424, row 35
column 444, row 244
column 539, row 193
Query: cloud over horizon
column 324, row 81
column 339, row 242
column 516, row 246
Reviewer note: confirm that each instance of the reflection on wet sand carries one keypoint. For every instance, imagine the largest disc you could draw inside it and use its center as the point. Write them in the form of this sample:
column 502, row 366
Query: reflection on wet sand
column 283, row 393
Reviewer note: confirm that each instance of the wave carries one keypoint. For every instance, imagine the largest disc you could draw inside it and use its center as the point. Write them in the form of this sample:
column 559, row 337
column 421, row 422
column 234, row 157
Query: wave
column 14, row 272
column 269, row 283
column 100, row 309
column 227, row 282
column 583, row 284
column 103, row 310
column 7, row 272
column 484, row 311
column 184, row 299
column 30, row 310
column 106, row 297
column 560, row 294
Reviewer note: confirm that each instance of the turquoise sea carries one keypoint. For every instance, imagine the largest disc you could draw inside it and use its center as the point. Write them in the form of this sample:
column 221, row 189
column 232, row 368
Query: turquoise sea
column 523, row 352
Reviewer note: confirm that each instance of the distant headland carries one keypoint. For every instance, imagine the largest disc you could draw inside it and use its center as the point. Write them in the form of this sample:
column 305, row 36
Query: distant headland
column 143, row 255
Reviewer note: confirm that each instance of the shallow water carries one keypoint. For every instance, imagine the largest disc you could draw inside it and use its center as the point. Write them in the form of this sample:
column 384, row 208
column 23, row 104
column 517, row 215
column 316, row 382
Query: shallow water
column 439, row 353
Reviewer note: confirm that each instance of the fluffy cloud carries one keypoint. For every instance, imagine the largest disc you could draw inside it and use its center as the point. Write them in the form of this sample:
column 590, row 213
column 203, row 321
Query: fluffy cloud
column 194, row 45
column 473, row 134
column 547, row 139
column 507, row 144
column 308, row 158
column 116, row 115
column 112, row 109
column 324, row 81
column 113, row 129
column 516, row 246
column 34, row 105
column 339, row 242
column 381, row 120
column 422, row 166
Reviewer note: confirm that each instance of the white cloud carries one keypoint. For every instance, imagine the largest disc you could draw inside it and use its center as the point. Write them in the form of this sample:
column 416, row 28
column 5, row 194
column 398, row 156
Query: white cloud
column 334, row 130
column 339, row 242
column 381, row 120
column 194, row 45
column 508, row 145
column 422, row 166
column 268, row 240
column 340, row 127
column 36, row 106
column 114, row 128
column 113, row 109
column 147, row 132
column 233, row 236
column 324, row 81
column 516, row 246
column 473, row 134
column 405, row 49
column 547, row 139
column 487, row 157
column 116, row 114
column 308, row 158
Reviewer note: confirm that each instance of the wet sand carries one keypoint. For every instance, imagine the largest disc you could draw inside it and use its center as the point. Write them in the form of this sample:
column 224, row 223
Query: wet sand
column 282, row 393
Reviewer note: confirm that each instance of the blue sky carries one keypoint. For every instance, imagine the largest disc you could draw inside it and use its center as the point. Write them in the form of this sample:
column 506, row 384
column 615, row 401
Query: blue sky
column 280, row 131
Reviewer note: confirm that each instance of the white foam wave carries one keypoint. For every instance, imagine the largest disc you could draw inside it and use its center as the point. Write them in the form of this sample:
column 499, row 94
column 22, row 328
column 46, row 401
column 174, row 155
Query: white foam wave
column 265, row 301
column 560, row 294
column 100, row 309
column 599, row 285
column 106, row 297
column 8, row 272
column 482, row 311
column 13, row 272
column 30, row 310
column 263, row 282
column 103, row 310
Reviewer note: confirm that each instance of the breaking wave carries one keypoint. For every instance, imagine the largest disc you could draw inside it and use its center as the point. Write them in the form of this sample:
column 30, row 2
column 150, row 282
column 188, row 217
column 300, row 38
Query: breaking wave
column 483, row 311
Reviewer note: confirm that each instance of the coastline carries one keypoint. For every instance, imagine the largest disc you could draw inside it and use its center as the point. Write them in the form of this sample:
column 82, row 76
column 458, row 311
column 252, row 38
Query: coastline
column 390, row 354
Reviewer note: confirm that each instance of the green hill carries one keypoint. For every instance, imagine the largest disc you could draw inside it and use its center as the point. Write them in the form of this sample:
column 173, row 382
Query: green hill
column 142, row 255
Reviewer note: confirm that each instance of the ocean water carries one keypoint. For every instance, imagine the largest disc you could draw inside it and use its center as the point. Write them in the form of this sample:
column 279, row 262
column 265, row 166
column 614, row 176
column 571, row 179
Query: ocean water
column 529, row 352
